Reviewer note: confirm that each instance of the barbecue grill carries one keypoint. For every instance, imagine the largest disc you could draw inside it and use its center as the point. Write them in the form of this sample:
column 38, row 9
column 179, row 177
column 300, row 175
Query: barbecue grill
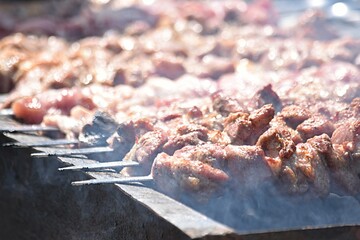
column 38, row 201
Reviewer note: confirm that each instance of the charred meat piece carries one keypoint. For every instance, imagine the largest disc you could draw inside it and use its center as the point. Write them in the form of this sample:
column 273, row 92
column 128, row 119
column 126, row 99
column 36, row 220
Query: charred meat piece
column 99, row 130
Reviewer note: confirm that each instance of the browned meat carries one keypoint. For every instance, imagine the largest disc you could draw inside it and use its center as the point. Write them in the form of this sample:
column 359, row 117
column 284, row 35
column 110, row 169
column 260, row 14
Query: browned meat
column 179, row 175
column 190, row 134
column 144, row 151
column 168, row 66
column 238, row 127
column 247, row 167
column 294, row 115
column 316, row 125
column 341, row 168
column 33, row 109
column 191, row 168
column 279, row 144
column 306, row 171
column 346, row 141
column 243, row 128
column 127, row 133
column 268, row 96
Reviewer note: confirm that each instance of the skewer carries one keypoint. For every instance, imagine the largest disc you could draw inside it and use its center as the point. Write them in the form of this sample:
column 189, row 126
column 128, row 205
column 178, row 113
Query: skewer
column 27, row 128
column 41, row 143
column 65, row 152
column 141, row 179
column 6, row 112
column 101, row 165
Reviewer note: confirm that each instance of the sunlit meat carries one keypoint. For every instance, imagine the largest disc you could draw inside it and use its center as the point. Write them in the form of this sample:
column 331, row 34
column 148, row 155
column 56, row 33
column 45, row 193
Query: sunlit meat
column 244, row 128
column 206, row 170
column 176, row 175
column 33, row 109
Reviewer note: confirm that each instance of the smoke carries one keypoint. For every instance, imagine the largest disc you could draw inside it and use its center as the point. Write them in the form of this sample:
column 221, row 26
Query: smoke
column 266, row 209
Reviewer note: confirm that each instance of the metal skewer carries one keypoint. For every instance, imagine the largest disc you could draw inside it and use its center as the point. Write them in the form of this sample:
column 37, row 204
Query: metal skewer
column 41, row 143
column 101, row 165
column 27, row 128
column 6, row 112
column 148, row 178
column 66, row 152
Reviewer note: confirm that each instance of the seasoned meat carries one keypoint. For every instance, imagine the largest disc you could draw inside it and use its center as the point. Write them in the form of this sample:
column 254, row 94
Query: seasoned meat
column 145, row 150
column 341, row 167
column 278, row 144
column 294, row 115
column 178, row 175
column 243, row 128
column 189, row 134
column 268, row 96
column 316, row 125
column 247, row 167
column 33, row 109
column 306, row 170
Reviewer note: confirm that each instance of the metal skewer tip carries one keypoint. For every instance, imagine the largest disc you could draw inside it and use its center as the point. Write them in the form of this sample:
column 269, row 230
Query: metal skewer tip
column 114, row 180
column 101, row 165
column 66, row 152
column 6, row 112
column 27, row 128
column 41, row 143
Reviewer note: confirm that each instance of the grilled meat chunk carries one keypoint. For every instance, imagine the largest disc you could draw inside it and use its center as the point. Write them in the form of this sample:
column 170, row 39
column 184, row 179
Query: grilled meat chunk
column 244, row 128
column 180, row 177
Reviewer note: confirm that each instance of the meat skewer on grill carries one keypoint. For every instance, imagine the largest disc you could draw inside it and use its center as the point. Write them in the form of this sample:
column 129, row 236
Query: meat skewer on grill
column 294, row 158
